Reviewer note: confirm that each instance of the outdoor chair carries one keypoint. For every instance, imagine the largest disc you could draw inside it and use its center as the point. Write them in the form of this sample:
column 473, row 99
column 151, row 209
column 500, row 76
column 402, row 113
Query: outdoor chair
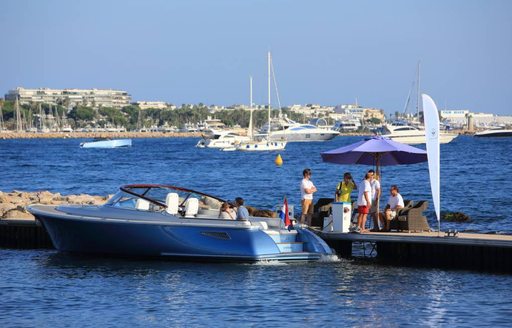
column 412, row 219
column 395, row 224
column 321, row 210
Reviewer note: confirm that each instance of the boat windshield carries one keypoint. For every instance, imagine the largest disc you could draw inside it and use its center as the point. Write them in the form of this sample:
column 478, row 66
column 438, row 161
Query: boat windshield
column 157, row 198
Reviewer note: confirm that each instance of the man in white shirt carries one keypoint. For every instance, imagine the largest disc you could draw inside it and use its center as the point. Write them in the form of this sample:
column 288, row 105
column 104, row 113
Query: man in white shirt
column 363, row 203
column 307, row 188
column 395, row 203
column 375, row 196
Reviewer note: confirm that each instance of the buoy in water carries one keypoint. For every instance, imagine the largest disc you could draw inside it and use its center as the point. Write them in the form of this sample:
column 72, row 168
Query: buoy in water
column 279, row 160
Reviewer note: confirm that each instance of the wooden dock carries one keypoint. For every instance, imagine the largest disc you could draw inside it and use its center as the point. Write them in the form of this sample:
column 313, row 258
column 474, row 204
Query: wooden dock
column 483, row 252
column 23, row 233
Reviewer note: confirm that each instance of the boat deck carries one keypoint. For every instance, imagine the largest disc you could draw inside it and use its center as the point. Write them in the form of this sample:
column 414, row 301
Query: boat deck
column 483, row 252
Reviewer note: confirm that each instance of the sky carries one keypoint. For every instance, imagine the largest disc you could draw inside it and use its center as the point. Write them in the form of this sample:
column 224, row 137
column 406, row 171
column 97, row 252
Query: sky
column 324, row 52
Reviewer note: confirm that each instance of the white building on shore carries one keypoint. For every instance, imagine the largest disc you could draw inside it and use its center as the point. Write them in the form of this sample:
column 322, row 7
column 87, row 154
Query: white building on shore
column 459, row 117
column 71, row 97
column 154, row 104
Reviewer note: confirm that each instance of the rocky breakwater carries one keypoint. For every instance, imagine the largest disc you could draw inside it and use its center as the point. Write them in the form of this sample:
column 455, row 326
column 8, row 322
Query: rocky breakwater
column 13, row 205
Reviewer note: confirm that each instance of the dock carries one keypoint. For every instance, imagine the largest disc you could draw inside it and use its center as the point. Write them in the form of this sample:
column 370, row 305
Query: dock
column 473, row 251
column 23, row 234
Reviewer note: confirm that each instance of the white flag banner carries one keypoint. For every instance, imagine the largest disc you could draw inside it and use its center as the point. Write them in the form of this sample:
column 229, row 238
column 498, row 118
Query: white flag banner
column 431, row 119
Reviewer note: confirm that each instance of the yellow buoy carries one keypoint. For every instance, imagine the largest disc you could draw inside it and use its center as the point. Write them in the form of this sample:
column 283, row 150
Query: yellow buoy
column 279, row 160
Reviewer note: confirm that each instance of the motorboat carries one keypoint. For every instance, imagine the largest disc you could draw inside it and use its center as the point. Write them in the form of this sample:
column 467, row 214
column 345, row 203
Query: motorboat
column 285, row 129
column 152, row 220
column 409, row 134
column 262, row 145
column 497, row 132
column 106, row 143
column 221, row 139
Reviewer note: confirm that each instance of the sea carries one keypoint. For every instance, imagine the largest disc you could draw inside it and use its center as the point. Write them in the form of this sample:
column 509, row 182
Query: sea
column 44, row 288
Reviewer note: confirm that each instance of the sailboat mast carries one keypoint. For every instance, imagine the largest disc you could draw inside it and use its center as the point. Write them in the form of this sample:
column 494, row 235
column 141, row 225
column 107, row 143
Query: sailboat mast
column 418, row 93
column 19, row 123
column 1, row 119
column 269, row 63
column 250, row 108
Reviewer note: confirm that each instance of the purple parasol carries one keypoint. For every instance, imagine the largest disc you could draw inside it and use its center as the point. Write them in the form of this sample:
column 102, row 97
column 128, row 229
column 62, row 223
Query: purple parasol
column 376, row 151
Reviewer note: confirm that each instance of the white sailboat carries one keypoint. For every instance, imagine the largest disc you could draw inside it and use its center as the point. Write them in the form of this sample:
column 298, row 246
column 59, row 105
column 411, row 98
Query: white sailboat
column 414, row 133
column 266, row 143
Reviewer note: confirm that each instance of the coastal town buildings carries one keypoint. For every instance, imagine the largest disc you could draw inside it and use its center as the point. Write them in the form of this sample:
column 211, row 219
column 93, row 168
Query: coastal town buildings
column 459, row 117
column 71, row 97
column 350, row 111
column 154, row 104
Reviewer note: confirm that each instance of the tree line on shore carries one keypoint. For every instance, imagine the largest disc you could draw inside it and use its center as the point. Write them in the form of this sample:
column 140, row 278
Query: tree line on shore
column 36, row 115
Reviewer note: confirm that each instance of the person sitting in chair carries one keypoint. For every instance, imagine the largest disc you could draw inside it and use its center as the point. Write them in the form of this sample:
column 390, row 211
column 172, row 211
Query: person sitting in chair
column 395, row 203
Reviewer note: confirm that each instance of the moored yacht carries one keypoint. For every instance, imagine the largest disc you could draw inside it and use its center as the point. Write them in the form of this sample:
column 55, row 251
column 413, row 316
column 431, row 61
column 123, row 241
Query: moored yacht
column 285, row 129
column 221, row 139
column 409, row 134
column 106, row 143
column 151, row 220
column 497, row 132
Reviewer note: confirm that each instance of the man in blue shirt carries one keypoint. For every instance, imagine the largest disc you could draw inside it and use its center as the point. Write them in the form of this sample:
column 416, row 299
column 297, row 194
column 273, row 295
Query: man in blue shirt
column 242, row 213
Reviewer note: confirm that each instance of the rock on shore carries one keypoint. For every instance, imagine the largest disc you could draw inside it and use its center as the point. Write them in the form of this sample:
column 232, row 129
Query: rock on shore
column 13, row 205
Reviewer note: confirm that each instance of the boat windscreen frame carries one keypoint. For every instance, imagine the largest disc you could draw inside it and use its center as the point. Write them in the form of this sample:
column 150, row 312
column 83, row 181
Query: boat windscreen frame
column 127, row 189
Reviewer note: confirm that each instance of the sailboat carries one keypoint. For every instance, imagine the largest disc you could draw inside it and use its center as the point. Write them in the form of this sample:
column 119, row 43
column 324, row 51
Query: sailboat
column 264, row 143
column 413, row 133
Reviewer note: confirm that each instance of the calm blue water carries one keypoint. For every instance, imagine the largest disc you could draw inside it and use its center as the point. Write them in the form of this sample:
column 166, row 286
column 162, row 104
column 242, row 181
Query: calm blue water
column 45, row 288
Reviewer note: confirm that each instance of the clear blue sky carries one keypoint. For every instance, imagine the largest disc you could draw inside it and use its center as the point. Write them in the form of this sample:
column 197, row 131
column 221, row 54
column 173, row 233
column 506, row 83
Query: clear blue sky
column 326, row 52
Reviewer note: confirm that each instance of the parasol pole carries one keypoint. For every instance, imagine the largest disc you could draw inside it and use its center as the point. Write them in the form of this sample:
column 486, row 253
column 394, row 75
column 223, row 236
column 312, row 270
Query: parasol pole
column 377, row 171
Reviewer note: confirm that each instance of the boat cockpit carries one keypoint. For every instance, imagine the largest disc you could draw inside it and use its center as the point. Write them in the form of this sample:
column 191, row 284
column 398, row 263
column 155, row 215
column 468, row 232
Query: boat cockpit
column 166, row 198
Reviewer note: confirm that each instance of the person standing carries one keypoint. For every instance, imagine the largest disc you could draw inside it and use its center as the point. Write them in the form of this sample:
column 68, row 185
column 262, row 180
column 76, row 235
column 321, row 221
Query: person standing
column 363, row 203
column 375, row 196
column 344, row 189
column 307, row 188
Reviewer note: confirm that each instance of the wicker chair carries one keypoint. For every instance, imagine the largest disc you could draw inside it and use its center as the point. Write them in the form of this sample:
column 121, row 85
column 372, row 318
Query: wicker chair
column 412, row 219
column 395, row 224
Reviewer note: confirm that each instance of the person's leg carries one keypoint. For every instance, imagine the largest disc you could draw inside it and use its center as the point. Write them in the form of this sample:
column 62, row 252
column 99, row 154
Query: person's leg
column 388, row 220
column 363, row 223
column 303, row 206
column 309, row 213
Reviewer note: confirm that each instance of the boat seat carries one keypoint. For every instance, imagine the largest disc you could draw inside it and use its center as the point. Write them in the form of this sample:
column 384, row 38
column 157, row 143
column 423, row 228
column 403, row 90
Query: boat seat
column 142, row 204
column 172, row 201
column 191, row 207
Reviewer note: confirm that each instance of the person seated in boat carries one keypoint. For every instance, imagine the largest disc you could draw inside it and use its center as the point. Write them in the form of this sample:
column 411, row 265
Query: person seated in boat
column 395, row 203
column 242, row 213
column 344, row 189
column 227, row 212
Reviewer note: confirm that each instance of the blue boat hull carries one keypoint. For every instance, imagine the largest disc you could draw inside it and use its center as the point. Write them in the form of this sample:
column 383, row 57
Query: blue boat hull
column 175, row 241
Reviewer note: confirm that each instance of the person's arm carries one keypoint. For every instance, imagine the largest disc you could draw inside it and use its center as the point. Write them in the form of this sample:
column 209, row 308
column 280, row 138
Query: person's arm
column 400, row 202
column 367, row 197
column 310, row 190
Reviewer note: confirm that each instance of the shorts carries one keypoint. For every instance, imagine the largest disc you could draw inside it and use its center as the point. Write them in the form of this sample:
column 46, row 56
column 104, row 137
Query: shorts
column 373, row 209
column 393, row 215
column 307, row 206
column 363, row 209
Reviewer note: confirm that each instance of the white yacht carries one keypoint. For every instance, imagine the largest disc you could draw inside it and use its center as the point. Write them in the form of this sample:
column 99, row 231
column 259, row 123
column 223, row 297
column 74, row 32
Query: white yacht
column 495, row 132
column 285, row 129
column 413, row 135
column 221, row 139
